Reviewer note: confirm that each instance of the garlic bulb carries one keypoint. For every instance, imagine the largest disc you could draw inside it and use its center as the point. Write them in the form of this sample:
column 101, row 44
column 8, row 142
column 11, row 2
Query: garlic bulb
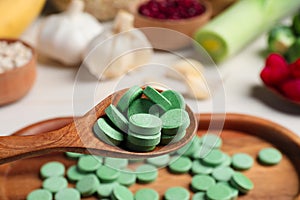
column 115, row 52
column 63, row 37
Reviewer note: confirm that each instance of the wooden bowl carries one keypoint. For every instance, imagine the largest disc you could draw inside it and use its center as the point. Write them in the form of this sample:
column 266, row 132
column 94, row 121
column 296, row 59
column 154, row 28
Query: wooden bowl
column 168, row 34
column 240, row 133
column 15, row 83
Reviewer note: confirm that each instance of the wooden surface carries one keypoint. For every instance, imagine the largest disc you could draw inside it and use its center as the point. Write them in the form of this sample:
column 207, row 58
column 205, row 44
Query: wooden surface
column 78, row 136
column 16, row 83
column 241, row 133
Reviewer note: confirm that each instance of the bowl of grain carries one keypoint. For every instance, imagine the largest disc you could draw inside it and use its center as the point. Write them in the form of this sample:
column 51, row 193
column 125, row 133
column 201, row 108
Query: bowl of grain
column 17, row 70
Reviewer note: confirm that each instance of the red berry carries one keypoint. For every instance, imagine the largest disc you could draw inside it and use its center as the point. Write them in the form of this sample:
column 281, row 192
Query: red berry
column 276, row 70
column 291, row 89
column 295, row 69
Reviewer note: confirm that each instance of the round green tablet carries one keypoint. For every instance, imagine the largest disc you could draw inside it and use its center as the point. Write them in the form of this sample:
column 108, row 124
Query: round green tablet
column 117, row 118
column 107, row 133
column 234, row 191
column 181, row 165
column 139, row 148
column 226, row 160
column 218, row 192
column 52, row 169
column 199, row 168
column 116, row 163
column 122, row 193
column 174, row 121
column 176, row 99
column 242, row 161
column 211, row 140
column 105, row 189
column 127, row 178
column 177, row 193
column 89, row 163
column 107, row 174
column 73, row 155
column 144, row 140
column 214, row 157
column 222, row 173
column 199, row 196
column 146, row 194
column 269, row 156
column 146, row 173
column 170, row 139
column 130, row 95
column 55, row 184
column 144, row 106
column 202, row 183
column 73, row 174
column 159, row 161
column 88, row 185
column 241, row 182
column 157, row 98
column 39, row 194
column 67, row 194
column 145, row 124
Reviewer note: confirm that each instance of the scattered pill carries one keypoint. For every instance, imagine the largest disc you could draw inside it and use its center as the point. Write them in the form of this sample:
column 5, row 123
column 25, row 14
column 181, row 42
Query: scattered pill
column 52, row 169
column 89, row 163
column 202, row 183
column 199, row 168
column 219, row 192
column 107, row 174
column 222, row 173
column 127, row 178
column 241, row 182
column 242, row 161
column 73, row 174
column 39, row 194
column 105, row 190
column 146, row 173
column 55, row 184
column 146, row 194
column 116, row 163
column 180, row 165
column 269, row 156
column 67, row 194
column 122, row 193
column 88, row 185
column 199, row 196
column 214, row 157
column 177, row 193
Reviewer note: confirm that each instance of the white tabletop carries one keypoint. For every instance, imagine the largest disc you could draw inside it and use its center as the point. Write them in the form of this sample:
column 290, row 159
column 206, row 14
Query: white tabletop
column 53, row 93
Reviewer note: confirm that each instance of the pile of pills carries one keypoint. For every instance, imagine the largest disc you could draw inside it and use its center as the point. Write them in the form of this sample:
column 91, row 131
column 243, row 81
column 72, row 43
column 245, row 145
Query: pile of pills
column 215, row 174
column 140, row 123
column 13, row 55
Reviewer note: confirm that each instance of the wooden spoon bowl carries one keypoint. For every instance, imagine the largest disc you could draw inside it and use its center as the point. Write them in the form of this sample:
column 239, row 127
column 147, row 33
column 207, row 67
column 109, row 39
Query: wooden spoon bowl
column 78, row 137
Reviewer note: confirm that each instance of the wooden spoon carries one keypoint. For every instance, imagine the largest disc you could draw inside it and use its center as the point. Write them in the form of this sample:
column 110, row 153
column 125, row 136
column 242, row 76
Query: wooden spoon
column 78, row 137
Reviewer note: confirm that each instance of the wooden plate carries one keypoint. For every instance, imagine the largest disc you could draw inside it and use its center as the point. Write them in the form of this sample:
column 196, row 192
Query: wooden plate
column 241, row 133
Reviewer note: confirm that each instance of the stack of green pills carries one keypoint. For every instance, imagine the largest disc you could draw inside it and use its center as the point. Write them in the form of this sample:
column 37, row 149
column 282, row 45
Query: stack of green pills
column 143, row 122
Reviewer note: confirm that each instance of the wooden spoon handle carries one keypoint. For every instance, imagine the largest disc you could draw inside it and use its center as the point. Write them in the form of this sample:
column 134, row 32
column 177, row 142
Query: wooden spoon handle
column 17, row 147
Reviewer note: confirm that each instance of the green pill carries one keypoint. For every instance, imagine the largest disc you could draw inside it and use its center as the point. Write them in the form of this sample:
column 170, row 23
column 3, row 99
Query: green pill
column 214, row 157
column 146, row 173
column 107, row 174
column 269, row 156
column 157, row 98
column 88, row 185
column 199, row 168
column 107, row 133
column 52, row 169
column 39, row 194
column 218, row 192
column 181, row 165
column 241, row 182
column 73, row 155
column 222, row 173
column 211, row 140
column 144, row 140
column 234, row 191
column 170, row 139
column 226, row 161
column 130, row 95
column 176, row 99
column 127, row 178
column 177, row 193
column 146, row 194
column 199, row 196
column 188, row 150
column 144, row 106
column 117, row 118
column 73, row 174
column 67, row 194
column 202, row 183
column 139, row 148
column 174, row 121
column 116, row 163
column 89, row 163
column 159, row 161
column 55, row 184
column 105, row 189
column 122, row 193
column 242, row 161
column 145, row 124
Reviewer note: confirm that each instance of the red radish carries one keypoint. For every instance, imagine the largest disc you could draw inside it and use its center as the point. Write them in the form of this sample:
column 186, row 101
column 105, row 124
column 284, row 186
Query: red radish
column 291, row 89
column 295, row 69
column 276, row 70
